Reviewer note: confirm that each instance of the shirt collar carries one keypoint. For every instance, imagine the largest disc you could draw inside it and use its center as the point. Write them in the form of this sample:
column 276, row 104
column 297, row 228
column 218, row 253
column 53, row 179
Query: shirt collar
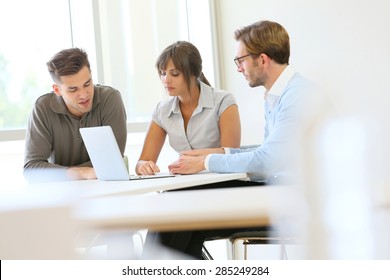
column 281, row 82
column 206, row 100
column 57, row 104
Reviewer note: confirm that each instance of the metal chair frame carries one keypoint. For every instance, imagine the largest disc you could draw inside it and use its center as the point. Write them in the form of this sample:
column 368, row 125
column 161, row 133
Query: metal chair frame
column 259, row 238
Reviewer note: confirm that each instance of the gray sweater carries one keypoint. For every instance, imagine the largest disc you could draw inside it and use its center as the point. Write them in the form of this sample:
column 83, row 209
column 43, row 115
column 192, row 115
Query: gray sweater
column 53, row 139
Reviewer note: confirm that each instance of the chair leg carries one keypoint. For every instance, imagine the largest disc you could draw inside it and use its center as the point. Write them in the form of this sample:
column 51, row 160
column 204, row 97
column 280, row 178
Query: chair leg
column 234, row 251
column 245, row 251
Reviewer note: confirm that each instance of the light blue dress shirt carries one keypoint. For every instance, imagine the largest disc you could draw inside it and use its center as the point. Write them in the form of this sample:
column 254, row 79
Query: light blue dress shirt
column 277, row 155
column 203, row 126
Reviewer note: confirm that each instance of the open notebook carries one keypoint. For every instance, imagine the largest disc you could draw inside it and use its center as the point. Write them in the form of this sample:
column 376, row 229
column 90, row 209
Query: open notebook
column 106, row 157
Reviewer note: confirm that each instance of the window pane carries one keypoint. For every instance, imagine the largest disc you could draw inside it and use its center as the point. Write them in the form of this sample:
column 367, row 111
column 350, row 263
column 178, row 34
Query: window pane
column 32, row 31
column 132, row 33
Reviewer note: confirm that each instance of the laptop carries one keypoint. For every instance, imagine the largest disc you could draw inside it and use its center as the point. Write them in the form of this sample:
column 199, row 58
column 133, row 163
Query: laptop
column 106, row 158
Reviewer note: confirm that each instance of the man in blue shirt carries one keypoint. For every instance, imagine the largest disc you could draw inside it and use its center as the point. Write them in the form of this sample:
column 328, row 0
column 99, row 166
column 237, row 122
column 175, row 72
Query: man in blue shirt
column 263, row 58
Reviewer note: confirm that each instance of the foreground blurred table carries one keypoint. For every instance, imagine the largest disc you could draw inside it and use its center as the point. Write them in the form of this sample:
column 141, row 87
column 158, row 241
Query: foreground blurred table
column 192, row 209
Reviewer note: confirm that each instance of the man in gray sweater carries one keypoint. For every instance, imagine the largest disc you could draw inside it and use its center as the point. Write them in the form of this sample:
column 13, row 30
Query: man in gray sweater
column 54, row 148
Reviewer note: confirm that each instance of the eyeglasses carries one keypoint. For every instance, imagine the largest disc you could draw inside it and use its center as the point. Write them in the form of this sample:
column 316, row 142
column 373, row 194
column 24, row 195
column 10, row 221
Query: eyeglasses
column 238, row 60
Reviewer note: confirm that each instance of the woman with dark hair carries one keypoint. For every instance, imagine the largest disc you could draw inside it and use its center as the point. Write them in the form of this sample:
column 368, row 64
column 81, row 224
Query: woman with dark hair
column 196, row 116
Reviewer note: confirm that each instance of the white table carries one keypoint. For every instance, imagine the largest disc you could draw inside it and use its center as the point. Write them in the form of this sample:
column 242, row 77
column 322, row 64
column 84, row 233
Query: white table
column 192, row 209
column 95, row 188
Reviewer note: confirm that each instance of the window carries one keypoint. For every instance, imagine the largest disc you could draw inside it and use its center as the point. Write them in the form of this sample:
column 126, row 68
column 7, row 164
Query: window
column 28, row 40
column 122, row 38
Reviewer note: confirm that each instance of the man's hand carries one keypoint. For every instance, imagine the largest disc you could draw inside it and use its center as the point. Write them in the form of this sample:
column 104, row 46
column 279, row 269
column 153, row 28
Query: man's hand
column 81, row 173
column 187, row 165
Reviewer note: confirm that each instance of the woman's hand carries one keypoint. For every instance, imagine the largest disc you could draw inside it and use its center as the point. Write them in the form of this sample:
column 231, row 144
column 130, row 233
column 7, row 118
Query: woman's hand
column 146, row 167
